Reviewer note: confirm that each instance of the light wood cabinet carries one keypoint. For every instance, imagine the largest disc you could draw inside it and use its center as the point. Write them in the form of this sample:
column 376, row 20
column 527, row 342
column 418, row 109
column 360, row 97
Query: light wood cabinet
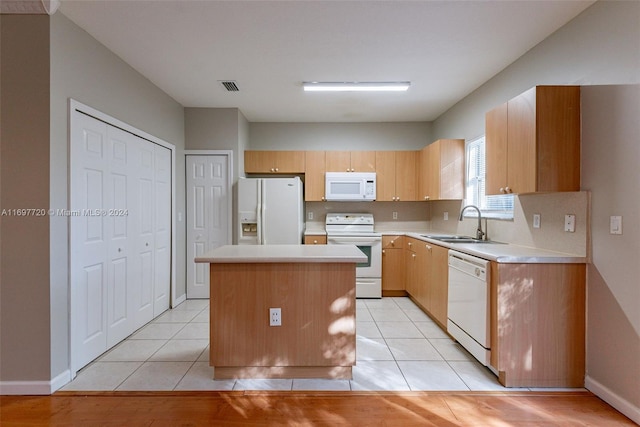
column 393, row 266
column 533, row 142
column 537, row 324
column 351, row 161
column 427, row 279
column 274, row 162
column 396, row 177
column 441, row 170
column 315, row 239
column 315, row 167
column 439, row 284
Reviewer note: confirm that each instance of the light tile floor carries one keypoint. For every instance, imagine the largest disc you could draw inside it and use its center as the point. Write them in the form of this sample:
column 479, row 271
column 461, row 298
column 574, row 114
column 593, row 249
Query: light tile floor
column 398, row 347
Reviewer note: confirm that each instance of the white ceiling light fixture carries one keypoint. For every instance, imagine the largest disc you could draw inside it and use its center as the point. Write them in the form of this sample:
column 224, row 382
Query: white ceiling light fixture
column 356, row 86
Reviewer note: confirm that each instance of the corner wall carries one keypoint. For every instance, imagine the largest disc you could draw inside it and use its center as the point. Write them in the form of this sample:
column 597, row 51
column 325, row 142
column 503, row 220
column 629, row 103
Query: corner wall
column 85, row 70
column 611, row 150
column 24, row 184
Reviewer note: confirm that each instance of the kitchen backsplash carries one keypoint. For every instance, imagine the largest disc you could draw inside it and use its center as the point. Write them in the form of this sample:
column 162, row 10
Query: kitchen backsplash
column 551, row 207
column 429, row 216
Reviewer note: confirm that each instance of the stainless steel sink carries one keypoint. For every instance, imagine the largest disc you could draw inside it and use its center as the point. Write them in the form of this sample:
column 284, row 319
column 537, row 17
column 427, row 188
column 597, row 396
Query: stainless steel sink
column 455, row 239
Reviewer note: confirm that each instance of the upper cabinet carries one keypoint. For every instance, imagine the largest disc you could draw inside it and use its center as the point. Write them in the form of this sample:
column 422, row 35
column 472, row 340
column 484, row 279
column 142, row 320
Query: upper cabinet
column 441, row 170
column 315, row 167
column 533, row 142
column 396, row 175
column 274, row 162
column 351, row 161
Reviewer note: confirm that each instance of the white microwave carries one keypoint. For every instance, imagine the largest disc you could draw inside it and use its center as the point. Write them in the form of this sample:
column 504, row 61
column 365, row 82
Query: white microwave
column 350, row 186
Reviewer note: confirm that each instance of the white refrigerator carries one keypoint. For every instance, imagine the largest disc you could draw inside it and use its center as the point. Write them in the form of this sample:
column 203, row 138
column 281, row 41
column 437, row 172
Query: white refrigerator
column 270, row 211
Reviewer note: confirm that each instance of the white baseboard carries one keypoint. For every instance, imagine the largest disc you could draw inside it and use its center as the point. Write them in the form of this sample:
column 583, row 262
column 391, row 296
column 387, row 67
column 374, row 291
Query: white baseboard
column 618, row 402
column 34, row 387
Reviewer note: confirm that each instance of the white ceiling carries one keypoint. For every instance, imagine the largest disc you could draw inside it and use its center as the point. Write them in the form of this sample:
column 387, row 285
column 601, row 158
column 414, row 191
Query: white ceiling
column 445, row 48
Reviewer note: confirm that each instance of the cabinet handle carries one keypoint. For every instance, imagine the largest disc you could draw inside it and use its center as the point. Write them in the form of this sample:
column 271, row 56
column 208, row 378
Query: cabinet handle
column 119, row 249
column 428, row 247
column 413, row 255
column 322, row 198
column 409, row 244
column 426, row 197
column 146, row 244
column 383, row 252
column 277, row 169
column 315, row 242
column 353, row 170
column 507, row 190
column 398, row 199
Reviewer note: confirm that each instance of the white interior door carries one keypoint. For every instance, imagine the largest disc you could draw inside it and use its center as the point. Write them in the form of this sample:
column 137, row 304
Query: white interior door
column 144, row 239
column 162, row 230
column 118, row 225
column 88, row 240
column 120, row 234
column 208, row 219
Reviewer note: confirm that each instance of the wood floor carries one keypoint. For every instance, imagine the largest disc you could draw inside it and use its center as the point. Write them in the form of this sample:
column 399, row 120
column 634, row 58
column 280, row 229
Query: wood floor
column 404, row 409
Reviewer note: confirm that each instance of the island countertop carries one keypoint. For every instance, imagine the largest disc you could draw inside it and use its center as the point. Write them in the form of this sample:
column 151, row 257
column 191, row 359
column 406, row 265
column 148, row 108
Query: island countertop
column 283, row 253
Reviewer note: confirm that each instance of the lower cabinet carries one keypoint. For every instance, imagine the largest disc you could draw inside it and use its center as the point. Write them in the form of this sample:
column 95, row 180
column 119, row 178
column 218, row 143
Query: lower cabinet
column 393, row 266
column 426, row 268
column 538, row 324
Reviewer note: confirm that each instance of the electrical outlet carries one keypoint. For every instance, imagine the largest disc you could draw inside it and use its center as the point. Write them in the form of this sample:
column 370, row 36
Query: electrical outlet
column 570, row 223
column 536, row 220
column 446, row 216
column 395, row 215
column 275, row 317
column 309, row 215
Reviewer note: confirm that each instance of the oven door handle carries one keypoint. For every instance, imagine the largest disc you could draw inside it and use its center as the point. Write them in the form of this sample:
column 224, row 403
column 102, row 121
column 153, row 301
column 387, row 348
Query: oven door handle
column 354, row 240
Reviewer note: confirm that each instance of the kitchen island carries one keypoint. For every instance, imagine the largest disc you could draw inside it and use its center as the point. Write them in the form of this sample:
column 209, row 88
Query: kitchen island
column 314, row 288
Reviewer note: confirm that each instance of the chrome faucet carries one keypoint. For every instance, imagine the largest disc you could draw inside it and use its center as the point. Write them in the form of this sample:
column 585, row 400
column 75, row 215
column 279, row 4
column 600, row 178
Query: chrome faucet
column 479, row 232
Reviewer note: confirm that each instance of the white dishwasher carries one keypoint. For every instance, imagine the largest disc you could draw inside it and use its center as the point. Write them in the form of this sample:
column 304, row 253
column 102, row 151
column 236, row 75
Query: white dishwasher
column 468, row 304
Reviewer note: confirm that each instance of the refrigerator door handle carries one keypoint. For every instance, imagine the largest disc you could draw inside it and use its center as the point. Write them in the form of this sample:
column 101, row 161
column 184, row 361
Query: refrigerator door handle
column 259, row 213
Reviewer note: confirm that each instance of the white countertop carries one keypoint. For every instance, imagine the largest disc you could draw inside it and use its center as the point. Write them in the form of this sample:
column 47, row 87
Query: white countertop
column 283, row 253
column 506, row 253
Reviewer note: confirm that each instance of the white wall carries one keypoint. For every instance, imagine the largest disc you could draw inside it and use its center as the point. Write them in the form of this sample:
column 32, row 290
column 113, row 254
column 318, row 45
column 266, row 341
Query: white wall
column 85, row 70
column 339, row 136
column 610, row 155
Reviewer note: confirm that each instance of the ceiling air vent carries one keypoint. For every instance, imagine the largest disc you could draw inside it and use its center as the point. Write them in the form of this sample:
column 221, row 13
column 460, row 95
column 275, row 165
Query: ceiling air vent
column 230, row 85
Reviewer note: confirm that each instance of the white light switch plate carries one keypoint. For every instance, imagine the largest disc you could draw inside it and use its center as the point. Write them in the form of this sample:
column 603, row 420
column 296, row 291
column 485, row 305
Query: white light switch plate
column 536, row 220
column 570, row 223
column 615, row 225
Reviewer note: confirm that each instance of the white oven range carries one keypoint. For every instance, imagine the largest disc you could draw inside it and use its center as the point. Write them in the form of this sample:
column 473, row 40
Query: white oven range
column 357, row 229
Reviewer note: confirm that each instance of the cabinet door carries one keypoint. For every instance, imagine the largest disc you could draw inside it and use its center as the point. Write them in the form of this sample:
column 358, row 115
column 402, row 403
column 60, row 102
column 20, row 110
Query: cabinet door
column 521, row 150
column 290, row 161
column 314, row 176
column 433, row 171
column 496, row 150
column 451, row 167
column 411, row 267
column 363, row 161
column 393, row 264
column 423, row 288
column 385, row 176
column 405, row 175
column 423, row 174
column 338, row 161
column 259, row 161
column 439, row 286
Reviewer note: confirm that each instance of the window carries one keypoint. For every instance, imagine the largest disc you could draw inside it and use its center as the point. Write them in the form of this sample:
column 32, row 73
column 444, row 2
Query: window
column 491, row 206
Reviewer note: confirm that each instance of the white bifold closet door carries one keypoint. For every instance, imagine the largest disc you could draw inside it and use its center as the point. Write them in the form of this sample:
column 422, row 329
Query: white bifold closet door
column 120, row 225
